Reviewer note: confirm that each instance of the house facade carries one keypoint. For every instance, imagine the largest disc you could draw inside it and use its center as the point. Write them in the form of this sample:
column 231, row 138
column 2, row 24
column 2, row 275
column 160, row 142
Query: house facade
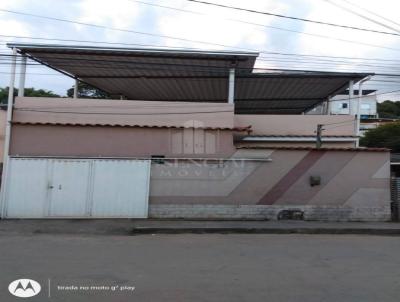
column 188, row 143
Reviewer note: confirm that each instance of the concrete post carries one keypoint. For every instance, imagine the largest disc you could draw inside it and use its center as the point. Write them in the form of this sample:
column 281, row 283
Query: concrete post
column 6, row 157
column 22, row 76
column 231, row 88
column 351, row 96
column 358, row 112
column 76, row 88
column 329, row 106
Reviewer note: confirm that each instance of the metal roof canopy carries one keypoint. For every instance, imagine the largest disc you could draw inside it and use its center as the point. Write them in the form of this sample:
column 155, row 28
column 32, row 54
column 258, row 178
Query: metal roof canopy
column 190, row 75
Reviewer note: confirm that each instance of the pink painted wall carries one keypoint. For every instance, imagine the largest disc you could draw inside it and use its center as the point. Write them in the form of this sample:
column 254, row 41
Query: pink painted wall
column 294, row 144
column 126, row 113
column 102, row 141
column 348, row 178
column 297, row 124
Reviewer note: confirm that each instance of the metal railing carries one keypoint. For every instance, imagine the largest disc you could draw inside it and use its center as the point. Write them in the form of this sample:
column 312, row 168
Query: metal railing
column 395, row 189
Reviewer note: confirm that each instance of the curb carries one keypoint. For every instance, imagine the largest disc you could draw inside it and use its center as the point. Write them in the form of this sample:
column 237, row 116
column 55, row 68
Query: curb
column 172, row 231
column 129, row 227
column 309, row 231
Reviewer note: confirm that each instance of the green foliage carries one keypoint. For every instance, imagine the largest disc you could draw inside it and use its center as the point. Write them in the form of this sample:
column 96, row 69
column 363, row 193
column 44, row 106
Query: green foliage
column 385, row 136
column 87, row 91
column 389, row 109
column 39, row 93
column 28, row 92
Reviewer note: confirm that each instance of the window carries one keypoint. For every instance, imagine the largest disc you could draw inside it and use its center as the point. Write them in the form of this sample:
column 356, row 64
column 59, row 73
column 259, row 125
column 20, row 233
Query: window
column 194, row 141
column 345, row 105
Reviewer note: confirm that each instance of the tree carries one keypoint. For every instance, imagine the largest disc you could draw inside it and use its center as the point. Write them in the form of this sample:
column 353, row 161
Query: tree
column 87, row 91
column 389, row 109
column 385, row 136
column 28, row 92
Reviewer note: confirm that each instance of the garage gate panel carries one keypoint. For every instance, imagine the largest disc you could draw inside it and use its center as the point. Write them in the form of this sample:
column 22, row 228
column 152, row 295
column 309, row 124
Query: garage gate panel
column 113, row 195
column 77, row 188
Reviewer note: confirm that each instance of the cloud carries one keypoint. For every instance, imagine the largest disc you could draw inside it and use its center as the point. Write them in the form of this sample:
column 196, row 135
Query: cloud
column 214, row 25
column 12, row 28
column 124, row 14
column 322, row 10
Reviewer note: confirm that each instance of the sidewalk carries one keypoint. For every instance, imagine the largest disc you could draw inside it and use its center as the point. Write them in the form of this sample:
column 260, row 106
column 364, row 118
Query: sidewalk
column 153, row 226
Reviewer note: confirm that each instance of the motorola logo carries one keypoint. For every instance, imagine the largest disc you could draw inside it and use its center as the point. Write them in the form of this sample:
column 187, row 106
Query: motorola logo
column 24, row 288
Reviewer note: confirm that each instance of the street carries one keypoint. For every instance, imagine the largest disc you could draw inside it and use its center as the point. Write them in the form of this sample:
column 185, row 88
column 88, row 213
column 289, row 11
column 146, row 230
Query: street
column 208, row 267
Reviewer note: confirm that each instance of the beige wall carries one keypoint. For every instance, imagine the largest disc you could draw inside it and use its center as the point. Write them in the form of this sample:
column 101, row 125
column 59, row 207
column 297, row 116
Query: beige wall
column 102, row 141
column 296, row 124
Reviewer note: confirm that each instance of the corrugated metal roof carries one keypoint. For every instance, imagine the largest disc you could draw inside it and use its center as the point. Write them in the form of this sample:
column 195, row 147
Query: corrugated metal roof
column 141, row 50
column 192, row 76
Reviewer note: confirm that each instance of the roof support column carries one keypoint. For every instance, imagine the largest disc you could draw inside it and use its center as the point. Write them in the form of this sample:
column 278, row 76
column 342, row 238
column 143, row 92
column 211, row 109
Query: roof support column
column 329, row 106
column 231, row 87
column 22, row 76
column 6, row 158
column 76, row 88
column 351, row 97
column 358, row 112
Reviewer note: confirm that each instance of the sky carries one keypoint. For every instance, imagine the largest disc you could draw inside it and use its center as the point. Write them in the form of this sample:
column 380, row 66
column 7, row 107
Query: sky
column 212, row 27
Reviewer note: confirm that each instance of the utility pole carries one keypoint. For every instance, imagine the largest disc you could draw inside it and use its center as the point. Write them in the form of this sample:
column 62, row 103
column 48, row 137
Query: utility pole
column 319, row 136
column 6, row 159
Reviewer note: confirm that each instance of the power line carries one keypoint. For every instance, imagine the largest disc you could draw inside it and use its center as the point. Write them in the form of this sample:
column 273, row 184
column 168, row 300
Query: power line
column 357, row 97
column 116, row 113
column 143, row 33
column 202, row 67
column 372, row 13
column 265, row 26
column 95, row 42
column 194, row 48
column 388, row 83
column 338, row 123
column 338, row 126
column 361, row 15
column 117, row 29
column 33, row 73
column 65, row 62
column 191, row 70
column 273, row 59
column 294, row 18
column 266, row 68
column 39, row 109
column 6, row 59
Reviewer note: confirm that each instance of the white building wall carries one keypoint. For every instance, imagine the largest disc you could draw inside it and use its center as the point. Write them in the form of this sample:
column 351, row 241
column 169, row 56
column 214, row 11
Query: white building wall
column 341, row 104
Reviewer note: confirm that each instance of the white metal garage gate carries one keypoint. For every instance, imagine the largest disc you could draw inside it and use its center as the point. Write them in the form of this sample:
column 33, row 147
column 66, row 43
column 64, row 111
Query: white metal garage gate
column 77, row 188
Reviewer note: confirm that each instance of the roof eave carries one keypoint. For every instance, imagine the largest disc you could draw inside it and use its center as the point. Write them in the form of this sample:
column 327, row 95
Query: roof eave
column 26, row 46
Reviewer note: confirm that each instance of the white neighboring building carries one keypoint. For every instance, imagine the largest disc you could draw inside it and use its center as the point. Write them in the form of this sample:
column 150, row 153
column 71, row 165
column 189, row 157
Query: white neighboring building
column 341, row 104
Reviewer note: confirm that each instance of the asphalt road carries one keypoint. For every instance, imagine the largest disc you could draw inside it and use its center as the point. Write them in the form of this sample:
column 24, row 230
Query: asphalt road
column 208, row 267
